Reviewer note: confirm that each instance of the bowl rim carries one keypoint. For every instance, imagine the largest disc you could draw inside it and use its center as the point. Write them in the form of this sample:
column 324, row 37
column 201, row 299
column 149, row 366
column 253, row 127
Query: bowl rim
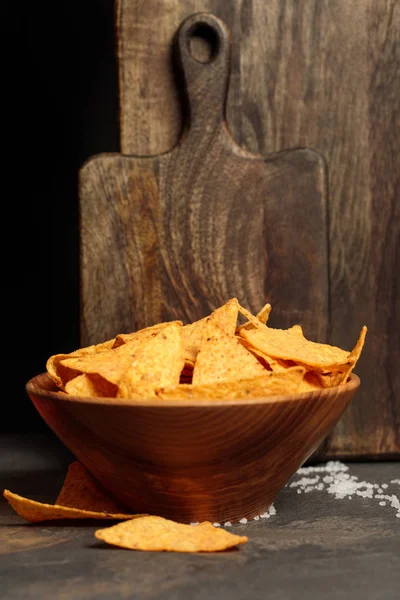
column 33, row 388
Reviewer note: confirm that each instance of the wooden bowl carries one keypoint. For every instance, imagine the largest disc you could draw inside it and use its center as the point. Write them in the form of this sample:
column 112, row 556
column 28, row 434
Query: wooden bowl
column 192, row 461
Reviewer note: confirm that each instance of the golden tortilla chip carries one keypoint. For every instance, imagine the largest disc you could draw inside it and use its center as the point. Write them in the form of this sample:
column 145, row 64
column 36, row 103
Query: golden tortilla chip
column 61, row 373
column 34, row 512
column 222, row 356
column 157, row 362
column 81, row 490
column 310, row 383
column 91, row 385
column 110, row 365
column 296, row 329
column 289, row 345
column 142, row 334
column 81, row 497
column 156, row 534
column 331, row 379
column 287, row 381
column 262, row 316
column 226, row 316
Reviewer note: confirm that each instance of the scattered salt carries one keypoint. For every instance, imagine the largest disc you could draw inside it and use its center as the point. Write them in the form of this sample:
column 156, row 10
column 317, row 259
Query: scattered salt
column 256, row 518
column 339, row 482
column 217, row 524
column 244, row 520
column 228, row 524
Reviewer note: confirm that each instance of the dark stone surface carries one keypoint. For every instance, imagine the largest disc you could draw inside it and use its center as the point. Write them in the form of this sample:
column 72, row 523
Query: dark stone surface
column 316, row 546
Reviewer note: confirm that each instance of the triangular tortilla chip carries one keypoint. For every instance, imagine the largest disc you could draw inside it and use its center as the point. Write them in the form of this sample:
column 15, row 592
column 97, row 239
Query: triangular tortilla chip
column 34, row 512
column 142, row 334
column 91, row 385
column 222, row 356
column 156, row 534
column 112, row 364
column 331, row 379
column 157, row 362
column 81, row 490
column 61, row 373
column 226, row 316
column 262, row 316
column 289, row 345
column 81, row 497
column 285, row 382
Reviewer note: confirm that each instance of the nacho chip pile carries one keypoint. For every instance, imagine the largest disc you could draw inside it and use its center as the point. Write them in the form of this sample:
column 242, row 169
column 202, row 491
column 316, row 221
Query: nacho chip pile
column 213, row 358
column 82, row 497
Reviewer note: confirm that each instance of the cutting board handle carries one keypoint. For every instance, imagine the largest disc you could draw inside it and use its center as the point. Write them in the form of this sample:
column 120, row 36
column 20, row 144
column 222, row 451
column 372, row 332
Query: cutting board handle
column 207, row 79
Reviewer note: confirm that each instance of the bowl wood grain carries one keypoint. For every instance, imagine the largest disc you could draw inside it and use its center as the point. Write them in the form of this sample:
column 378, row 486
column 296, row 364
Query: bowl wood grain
column 210, row 460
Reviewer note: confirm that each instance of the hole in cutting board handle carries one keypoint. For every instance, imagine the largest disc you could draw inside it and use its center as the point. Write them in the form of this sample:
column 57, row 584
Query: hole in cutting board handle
column 203, row 42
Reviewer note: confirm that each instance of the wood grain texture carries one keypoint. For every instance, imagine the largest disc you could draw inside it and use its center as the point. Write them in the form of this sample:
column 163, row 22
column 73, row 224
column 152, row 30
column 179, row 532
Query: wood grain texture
column 218, row 461
column 176, row 235
column 318, row 74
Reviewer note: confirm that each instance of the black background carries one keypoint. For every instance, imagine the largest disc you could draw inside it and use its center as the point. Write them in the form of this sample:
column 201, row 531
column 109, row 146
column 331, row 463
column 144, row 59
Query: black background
column 60, row 106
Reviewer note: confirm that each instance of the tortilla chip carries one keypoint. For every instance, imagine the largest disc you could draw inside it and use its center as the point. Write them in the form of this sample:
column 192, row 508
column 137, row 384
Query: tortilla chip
column 157, row 362
column 296, row 329
column 310, row 383
column 226, row 316
column 287, row 381
column 331, row 379
column 91, row 385
column 262, row 316
column 81, row 490
column 355, row 354
column 222, row 356
column 156, row 534
column 142, row 334
column 110, row 365
column 34, row 512
column 289, row 345
column 61, row 373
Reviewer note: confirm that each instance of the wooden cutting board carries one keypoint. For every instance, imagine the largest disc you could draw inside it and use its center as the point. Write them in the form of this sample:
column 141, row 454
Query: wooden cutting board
column 174, row 235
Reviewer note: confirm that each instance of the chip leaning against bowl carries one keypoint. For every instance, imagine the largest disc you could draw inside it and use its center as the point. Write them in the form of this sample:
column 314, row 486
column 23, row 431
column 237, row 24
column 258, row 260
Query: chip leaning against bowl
column 213, row 357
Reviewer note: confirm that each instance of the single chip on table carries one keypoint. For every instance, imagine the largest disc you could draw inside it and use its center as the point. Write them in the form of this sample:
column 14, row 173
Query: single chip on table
column 193, row 333
column 287, row 381
column 81, row 497
column 156, row 534
column 157, row 362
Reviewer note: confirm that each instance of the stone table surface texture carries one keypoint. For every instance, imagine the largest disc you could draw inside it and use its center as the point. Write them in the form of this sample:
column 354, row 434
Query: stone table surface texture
column 317, row 545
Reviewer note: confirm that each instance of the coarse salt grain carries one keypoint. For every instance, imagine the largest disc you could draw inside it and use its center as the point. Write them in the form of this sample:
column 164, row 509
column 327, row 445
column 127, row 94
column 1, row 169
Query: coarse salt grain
column 228, row 524
column 217, row 524
column 243, row 521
